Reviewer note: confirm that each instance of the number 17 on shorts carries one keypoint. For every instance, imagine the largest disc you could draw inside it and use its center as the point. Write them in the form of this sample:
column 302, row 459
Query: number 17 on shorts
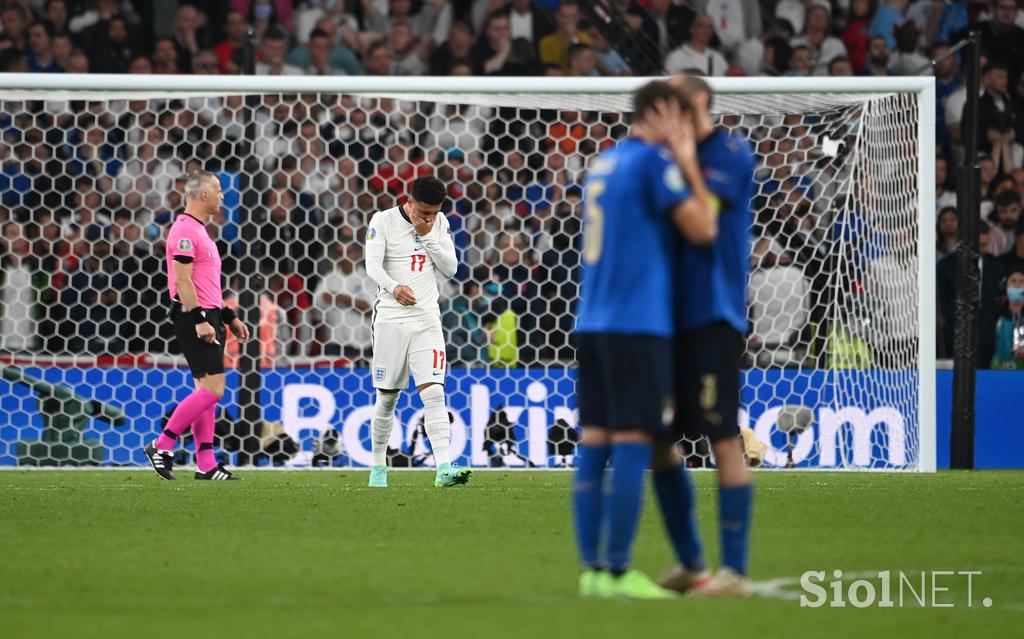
column 403, row 349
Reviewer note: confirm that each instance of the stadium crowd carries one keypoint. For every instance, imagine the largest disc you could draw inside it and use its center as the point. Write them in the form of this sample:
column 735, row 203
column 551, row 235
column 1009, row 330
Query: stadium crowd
column 87, row 190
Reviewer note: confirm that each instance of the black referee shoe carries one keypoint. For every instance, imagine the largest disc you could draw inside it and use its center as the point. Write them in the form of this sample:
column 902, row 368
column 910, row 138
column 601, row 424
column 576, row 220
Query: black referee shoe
column 163, row 462
column 218, row 473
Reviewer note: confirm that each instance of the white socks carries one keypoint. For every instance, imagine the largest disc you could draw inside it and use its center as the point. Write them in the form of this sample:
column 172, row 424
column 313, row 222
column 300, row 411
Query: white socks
column 435, row 422
column 383, row 421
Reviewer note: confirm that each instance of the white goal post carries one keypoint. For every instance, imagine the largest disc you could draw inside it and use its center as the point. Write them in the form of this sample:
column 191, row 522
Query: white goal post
column 840, row 359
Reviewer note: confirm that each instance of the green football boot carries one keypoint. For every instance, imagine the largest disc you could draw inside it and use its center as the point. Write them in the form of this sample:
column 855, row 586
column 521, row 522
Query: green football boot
column 378, row 476
column 595, row 584
column 451, row 475
column 636, row 585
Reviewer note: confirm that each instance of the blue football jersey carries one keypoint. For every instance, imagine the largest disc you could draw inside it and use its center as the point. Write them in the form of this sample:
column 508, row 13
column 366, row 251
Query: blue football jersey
column 712, row 280
column 628, row 241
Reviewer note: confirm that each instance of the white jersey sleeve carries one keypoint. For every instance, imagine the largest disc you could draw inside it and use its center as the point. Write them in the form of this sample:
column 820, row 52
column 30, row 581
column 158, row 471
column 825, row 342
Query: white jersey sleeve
column 396, row 254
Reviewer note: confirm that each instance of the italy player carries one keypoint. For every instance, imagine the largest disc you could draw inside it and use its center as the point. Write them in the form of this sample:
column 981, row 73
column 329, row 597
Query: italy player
column 200, row 318
column 634, row 193
column 406, row 247
column 711, row 323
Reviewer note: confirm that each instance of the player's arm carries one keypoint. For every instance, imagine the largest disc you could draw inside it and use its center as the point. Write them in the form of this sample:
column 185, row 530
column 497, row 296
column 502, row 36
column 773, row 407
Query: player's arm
column 696, row 217
column 441, row 248
column 376, row 246
column 182, row 271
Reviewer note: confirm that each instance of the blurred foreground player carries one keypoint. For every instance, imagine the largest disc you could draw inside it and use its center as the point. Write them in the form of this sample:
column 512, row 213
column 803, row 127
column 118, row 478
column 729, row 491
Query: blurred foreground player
column 711, row 315
column 625, row 328
column 200, row 317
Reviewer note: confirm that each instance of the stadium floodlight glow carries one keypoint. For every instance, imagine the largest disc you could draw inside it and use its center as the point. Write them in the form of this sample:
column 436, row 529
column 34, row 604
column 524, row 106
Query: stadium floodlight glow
column 842, row 296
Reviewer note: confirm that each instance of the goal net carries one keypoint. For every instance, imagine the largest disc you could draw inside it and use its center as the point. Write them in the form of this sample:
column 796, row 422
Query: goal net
column 839, row 360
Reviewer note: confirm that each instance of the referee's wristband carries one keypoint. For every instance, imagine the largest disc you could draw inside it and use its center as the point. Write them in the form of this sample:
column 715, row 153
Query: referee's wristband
column 228, row 315
column 198, row 315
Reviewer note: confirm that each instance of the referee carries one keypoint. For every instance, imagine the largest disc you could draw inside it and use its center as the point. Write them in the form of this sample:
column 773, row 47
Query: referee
column 200, row 319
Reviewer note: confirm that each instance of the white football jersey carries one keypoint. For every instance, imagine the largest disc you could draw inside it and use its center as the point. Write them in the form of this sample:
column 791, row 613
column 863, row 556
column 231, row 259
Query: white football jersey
column 396, row 254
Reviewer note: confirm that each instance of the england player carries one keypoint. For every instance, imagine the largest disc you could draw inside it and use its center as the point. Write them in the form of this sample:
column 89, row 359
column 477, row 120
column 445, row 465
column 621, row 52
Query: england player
column 406, row 247
column 711, row 314
column 634, row 194
column 200, row 317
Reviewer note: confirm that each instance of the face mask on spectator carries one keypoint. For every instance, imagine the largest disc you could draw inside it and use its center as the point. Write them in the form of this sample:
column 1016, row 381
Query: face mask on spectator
column 262, row 11
column 1015, row 295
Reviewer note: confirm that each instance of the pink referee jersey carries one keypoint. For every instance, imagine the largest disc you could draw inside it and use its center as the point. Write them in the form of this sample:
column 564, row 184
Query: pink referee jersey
column 188, row 237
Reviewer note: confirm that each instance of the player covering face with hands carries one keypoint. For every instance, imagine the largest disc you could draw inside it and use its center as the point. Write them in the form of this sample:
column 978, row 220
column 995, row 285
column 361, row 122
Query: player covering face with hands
column 200, row 322
column 406, row 248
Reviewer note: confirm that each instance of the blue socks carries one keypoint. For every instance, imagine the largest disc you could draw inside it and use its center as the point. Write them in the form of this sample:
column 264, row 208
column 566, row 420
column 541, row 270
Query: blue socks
column 587, row 495
column 624, row 500
column 675, row 496
column 734, row 521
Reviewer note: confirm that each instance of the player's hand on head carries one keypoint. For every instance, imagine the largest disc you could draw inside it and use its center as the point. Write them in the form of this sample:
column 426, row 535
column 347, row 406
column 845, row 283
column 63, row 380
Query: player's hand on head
column 205, row 332
column 239, row 330
column 404, row 295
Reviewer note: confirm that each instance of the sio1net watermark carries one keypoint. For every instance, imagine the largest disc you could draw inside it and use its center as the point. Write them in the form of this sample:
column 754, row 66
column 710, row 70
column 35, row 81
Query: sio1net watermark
column 892, row 589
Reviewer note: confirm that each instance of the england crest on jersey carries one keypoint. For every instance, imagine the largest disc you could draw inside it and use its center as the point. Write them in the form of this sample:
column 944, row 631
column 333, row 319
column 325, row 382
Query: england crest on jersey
column 378, row 374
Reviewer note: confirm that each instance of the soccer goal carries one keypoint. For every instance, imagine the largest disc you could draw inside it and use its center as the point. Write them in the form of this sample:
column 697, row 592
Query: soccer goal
column 840, row 355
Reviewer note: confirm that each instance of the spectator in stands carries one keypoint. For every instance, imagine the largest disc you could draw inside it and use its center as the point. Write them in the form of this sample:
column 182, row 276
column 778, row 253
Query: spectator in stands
column 697, row 52
column 792, row 12
column 817, row 35
column 945, row 196
column 320, row 55
column 840, row 67
column 344, row 301
column 405, row 51
column 1004, row 222
column 62, row 49
column 735, row 22
column 609, row 61
column 1013, row 259
column 234, row 31
column 430, row 24
column 78, row 62
column 140, row 65
column 1009, row 336
column 906, row 60
column 458, row 46
column 205, row 62
column 90, row 25
column 56, row 14
column 946, row 237
column 668, row 24
column 889, row 15
column 529, row 21
column 554, row 47
column 40, row 58
column 377, row 60
column 14, row 19
column 274, row 47
column 800, row 63
column 991, row 280
column 165, row 56
column 937, row 27
column 582, row 61
column 855, row 35
column 878, row 57
column 1002, row 41
column 114, row 51
column 17, row 293
column 995, row 99
column 265, row 15
column 463, row 319
column 190, row 35
column 493, row 46
column 947, row 81
column 341, row 57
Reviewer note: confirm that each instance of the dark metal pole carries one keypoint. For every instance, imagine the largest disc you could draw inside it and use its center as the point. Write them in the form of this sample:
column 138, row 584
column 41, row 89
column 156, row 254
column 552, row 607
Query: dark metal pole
column 250, row 375
column 968, row 273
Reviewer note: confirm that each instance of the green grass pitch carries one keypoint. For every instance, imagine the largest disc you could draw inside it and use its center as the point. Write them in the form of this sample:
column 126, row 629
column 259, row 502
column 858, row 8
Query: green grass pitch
column 289, row 554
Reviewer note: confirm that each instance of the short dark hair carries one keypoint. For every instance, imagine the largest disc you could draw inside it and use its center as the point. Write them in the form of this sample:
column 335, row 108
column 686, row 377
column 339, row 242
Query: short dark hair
column 373, row 46
column 653, row 92
column 429, row 190
column 993, row 66
column 1007, row 198
column 275, row 33
column 319, row 33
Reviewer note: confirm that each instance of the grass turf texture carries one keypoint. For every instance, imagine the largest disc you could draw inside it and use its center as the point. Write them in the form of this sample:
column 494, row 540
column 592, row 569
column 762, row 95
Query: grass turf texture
column 117, row 554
